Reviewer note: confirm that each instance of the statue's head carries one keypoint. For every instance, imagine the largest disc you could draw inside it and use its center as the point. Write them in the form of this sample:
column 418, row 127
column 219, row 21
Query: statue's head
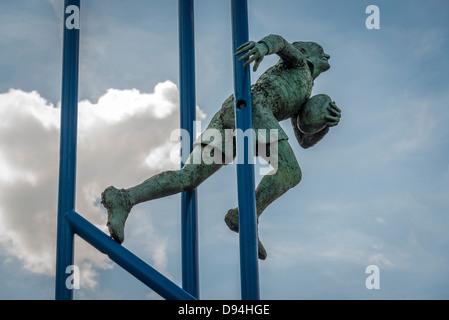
column 317, row 59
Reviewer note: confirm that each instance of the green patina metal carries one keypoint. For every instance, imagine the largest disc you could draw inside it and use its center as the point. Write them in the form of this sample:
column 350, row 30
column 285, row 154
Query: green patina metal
column 282, row 92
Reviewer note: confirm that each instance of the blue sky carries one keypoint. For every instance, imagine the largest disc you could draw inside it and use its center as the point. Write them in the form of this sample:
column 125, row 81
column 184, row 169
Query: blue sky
column 374, row 191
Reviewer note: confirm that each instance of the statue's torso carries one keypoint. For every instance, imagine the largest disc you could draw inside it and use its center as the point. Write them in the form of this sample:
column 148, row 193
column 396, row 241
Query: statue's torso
column 277, row 95
column 283, row 90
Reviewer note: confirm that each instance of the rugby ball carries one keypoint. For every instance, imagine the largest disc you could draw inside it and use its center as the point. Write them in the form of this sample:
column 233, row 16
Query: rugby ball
column 311, row 117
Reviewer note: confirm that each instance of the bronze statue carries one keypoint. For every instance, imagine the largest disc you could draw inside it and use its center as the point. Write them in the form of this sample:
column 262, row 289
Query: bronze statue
column 282, row 92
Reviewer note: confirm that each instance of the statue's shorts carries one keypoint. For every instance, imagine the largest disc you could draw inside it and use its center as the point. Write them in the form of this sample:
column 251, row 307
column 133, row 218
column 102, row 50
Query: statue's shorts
column 221, row 135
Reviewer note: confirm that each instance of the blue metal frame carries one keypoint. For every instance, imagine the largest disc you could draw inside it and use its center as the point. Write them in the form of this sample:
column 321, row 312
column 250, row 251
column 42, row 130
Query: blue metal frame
column 71, row 223
column 126, row 259
column 249, row 265
column 189, row 204
column 67, row 158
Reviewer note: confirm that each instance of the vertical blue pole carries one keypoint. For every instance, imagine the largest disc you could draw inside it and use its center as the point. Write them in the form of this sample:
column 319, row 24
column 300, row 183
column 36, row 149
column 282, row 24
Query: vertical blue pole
column 67, row 158
column 189, row 209
column 249, row 267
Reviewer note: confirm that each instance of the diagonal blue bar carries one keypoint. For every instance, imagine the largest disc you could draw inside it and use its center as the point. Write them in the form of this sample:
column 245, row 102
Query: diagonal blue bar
column 67, row 158
column 249, row 267
column 189, row 206
column 126, row 259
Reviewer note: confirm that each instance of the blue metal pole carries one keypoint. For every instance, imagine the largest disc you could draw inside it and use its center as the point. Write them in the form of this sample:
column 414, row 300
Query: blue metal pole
column 126, row 259
column 249, row 267
column 67, row 162
column 189, row 206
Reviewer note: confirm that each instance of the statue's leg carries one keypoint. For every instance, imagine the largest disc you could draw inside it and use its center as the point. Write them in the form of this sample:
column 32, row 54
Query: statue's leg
column 286, row 174
column 119, row 202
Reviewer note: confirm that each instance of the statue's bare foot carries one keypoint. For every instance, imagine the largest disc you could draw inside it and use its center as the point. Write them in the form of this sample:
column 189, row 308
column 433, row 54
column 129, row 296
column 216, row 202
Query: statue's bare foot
column 262, row 253
column 232, row 221
column 118, row 204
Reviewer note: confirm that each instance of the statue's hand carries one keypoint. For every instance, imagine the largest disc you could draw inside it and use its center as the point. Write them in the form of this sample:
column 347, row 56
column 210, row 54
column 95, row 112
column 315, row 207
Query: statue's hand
column 333, row 115
column 256, row 52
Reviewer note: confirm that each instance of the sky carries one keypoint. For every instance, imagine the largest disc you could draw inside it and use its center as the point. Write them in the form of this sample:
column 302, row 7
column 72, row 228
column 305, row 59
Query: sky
column 374, row 191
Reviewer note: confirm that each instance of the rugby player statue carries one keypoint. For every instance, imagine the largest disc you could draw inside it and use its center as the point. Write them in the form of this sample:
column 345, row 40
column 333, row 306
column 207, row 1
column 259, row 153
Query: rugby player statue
column 282, row 92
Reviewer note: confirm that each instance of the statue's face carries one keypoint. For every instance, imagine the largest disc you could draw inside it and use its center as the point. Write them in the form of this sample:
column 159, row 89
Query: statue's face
column 316, row 56
column 319, row 59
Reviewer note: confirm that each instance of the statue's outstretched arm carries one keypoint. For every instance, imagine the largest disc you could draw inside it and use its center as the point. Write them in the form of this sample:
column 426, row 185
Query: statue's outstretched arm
column 284, row 49
column 272, row 44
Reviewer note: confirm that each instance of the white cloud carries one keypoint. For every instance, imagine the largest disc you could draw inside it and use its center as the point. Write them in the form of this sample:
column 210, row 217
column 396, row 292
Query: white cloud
column 122, row 140
column 380, row 260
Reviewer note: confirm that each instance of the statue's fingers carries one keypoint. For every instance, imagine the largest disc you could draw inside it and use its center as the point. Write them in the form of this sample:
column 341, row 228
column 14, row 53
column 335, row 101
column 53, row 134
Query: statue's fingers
column 332, row 118
column 249, row 54
column 245, row 47
column 254, row 57
column 333, row 105
column 246, row 44
column 246, row 56
column 241, row 49
column 335, row 111
column 332, row 121
column 256, row 64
